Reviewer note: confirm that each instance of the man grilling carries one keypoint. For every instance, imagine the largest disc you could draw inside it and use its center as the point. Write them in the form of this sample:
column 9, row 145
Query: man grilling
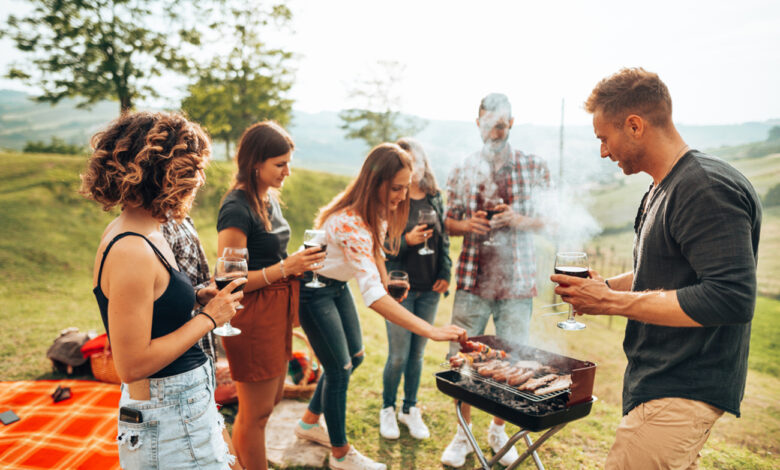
column 496, row 268
column 690, row 297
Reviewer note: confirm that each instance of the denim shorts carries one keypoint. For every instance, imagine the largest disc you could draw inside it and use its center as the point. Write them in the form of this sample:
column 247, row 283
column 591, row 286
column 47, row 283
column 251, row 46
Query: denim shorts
column 181, row 427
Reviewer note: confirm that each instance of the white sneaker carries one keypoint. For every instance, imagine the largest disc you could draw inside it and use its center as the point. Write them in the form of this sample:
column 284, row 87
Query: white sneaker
column 457, row 450
column 497, row 438
column 388, row 427
column 413, row 420
column 354, row 460
column 316, row 433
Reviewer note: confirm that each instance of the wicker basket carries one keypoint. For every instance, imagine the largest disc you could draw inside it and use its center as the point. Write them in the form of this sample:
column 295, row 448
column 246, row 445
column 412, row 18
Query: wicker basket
column 103, row 366
column 302, row 389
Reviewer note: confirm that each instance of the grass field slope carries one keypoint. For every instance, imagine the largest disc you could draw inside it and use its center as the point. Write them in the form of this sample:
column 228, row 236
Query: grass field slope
column 48, row 237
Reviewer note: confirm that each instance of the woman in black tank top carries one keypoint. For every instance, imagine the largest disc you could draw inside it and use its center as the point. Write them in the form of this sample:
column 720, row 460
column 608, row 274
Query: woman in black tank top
column 151, row 165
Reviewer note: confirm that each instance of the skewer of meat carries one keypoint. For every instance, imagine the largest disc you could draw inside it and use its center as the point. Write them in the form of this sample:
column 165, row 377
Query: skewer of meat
column 561, row 383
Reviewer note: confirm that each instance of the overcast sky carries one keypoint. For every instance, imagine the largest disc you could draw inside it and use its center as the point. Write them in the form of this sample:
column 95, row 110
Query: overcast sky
column 719, row 58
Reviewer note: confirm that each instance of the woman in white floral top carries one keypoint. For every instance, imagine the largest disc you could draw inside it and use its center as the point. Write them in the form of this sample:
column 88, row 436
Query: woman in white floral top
column 374, row 205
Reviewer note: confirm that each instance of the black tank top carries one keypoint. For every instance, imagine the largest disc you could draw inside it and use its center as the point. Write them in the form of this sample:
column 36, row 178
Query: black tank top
column 170, row 311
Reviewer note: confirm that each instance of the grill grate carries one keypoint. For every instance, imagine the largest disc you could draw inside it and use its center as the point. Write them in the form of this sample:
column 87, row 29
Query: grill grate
column 471, row 373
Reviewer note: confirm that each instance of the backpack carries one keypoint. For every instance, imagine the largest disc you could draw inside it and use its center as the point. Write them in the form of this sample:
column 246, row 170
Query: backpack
column 65, row 352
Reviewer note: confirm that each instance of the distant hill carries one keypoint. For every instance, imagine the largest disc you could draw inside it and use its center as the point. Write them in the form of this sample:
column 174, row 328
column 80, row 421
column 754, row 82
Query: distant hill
column 321, row 144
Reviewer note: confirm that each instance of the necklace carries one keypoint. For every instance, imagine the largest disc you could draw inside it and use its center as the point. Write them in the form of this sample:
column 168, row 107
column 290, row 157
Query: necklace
column 677, row 157
column 654, row 186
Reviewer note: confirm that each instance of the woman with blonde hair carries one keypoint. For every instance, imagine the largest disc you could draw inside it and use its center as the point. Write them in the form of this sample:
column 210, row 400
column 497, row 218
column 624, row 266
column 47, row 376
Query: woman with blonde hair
column 429, row 277
column 251, row 217
column 151, row 165
column 361, row 224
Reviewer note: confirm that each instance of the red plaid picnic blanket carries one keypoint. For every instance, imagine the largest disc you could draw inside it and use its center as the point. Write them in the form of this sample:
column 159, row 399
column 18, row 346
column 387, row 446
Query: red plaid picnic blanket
column 77, row 433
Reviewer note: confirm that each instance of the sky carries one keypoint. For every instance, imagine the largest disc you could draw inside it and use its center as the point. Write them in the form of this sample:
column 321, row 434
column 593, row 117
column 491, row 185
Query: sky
column 719, row 58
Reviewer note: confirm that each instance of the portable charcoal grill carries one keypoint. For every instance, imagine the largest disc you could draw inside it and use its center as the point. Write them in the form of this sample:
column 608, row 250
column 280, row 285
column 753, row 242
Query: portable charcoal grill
column 532, row 413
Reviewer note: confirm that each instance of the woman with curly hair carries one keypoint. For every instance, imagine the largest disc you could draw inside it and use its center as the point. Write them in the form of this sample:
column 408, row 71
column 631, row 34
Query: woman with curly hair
column 251, row 217
column 361, row 224
column 151, row 165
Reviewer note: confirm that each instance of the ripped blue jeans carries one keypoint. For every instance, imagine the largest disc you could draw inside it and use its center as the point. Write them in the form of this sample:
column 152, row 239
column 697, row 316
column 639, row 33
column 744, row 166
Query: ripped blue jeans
column 330, row 320
column 181, row 427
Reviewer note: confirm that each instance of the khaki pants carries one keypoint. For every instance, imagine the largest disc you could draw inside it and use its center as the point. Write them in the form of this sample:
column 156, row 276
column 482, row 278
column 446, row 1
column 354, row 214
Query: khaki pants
column 667, row 433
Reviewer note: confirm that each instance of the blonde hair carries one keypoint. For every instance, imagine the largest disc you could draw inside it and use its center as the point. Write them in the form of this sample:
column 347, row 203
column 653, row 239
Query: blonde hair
column 362, row 196
column 428, row 182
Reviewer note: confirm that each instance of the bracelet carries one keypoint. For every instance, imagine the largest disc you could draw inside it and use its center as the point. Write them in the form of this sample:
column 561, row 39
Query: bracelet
column 209, row 317
column 281, row 265
column 197, row 299
column 267, row 282
column 606, row 281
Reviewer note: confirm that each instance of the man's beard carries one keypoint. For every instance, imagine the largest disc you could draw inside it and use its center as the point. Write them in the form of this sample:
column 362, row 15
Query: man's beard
column 495, row 147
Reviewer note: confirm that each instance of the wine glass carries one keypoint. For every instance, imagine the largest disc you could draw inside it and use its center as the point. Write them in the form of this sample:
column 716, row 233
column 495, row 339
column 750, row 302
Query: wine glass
column 398, row 284
column 428, row 218
column 490, row 207
column 226, row 271
column 235, row 252
column 313, row 239
column 571, row 263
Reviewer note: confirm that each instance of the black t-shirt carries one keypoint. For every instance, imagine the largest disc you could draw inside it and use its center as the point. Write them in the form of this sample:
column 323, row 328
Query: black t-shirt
column 699, row 236
column 422, row 269
column 265, row 247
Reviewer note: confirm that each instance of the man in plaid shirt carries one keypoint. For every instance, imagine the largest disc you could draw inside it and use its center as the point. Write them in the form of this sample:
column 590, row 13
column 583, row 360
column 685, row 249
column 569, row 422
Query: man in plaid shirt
column 184, row 241
column 496, row 278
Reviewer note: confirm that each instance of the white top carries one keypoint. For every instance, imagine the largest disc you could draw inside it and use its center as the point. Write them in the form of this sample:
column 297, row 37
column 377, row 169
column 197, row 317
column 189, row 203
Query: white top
column 350, row 254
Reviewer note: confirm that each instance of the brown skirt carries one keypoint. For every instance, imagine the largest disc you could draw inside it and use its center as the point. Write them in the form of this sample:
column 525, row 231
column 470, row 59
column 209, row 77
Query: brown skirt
column 264, row 347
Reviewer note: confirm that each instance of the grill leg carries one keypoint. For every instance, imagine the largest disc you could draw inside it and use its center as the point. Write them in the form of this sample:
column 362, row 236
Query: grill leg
column 470, row 437
column 532, row 446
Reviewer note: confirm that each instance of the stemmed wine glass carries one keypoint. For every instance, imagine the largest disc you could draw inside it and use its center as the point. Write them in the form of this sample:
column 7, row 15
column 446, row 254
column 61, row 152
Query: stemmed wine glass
column 235, row 252
column 398, row 284
column 312, row 239
column 571, row 263
column 490, row 207
column 226, row 271
column 428, row 218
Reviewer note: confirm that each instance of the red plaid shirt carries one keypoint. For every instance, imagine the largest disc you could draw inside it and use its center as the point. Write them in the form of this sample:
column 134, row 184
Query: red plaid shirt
column 516, row 181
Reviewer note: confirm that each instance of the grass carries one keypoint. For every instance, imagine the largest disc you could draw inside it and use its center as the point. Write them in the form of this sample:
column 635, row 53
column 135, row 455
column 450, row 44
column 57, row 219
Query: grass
column 48, row 236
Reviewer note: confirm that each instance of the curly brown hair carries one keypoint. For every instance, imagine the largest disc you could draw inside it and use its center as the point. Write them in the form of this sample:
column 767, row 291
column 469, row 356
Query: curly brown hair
column 632, row 91
column 148, row 160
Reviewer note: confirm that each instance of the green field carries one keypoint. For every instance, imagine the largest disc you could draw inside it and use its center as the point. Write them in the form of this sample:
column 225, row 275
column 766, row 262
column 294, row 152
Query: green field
column 48, row 237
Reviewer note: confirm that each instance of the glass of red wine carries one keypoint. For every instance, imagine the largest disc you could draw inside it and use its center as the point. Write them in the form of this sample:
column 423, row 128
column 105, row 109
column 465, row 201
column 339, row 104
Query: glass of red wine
column 235, row 252
column 398, row 285
column 426, row 217
column 571, row 263
column 226, row 271
column 490, row 207
column 312, row 239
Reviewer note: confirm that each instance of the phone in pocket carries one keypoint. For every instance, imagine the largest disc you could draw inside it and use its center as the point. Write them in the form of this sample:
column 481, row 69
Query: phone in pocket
column 130, row 415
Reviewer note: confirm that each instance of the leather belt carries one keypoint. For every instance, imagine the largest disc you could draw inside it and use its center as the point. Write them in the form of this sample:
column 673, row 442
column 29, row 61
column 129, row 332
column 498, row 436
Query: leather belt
column 139, row 390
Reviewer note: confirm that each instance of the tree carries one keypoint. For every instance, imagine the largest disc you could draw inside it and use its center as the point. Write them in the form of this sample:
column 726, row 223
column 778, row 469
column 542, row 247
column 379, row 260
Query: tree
column 379, row 119
column 772, row 197
column 249, row 83
column 101, row 49
column 774, row 133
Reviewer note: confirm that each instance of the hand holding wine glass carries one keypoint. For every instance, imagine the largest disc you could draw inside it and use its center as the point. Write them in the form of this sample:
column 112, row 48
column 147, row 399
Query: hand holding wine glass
column 571, row 263
column 492, row 208
column 398, row 285
column 427, row 218
column 315, row 239
column 226, row 272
